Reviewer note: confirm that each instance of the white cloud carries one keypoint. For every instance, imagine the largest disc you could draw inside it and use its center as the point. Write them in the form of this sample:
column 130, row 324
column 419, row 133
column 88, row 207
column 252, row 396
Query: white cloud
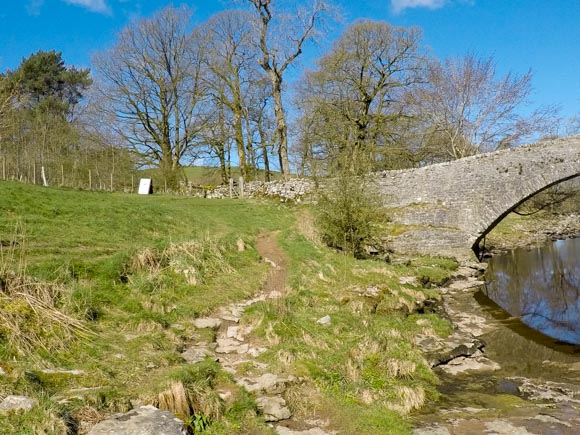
column 401, row 5
column 99, row 6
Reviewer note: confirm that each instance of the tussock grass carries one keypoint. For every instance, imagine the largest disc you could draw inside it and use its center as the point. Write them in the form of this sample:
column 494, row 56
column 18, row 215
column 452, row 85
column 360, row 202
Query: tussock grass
column 31, row 317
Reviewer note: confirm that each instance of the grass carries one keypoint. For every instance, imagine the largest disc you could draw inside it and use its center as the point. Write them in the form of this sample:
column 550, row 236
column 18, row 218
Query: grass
column 133, row 272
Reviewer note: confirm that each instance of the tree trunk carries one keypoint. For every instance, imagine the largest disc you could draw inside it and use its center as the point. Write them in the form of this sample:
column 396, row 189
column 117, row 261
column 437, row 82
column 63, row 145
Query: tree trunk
column 281, row 126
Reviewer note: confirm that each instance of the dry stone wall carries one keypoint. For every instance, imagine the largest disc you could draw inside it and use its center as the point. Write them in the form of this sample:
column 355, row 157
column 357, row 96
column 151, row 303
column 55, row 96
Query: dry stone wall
column 291, row 190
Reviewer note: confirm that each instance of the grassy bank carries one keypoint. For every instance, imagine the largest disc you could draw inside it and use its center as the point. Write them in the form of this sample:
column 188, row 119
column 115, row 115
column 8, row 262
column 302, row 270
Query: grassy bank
column 99, row 293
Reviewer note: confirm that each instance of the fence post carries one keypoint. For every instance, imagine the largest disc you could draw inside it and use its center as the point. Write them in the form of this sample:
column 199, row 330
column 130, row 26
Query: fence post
column 43, row 176
column 111, row 181
column 241, row 187
column 62, row 175
column 90, row 181
column 231, row 187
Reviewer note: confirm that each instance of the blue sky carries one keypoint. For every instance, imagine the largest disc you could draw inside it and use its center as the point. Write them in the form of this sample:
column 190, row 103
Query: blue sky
column 543, row 35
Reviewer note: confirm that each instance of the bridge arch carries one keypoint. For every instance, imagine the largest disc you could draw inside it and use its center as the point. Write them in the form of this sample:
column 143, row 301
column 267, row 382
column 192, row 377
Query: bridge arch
column 450, row 207
column 477, row 245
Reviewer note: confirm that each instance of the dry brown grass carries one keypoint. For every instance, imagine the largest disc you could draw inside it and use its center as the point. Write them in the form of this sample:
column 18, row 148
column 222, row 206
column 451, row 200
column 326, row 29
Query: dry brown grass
column 30, row 316
column 186, row 401
column 409, row 399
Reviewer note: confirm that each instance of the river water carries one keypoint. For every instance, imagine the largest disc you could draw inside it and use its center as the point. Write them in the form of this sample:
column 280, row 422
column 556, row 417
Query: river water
column 535, row 387
column 541, row 287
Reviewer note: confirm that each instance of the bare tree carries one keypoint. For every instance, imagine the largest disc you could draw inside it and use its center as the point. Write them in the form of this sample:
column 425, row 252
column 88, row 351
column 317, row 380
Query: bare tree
column 150, row 81
column 230, row 59
column 466, row 109
column 282, row 36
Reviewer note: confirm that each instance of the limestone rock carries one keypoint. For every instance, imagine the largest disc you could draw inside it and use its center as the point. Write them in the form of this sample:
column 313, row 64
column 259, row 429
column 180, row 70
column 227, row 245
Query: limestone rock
column 273, row 408
column 268, row 383
column 475, row 362
column 431, row 430
column 281, row 430
column 145, row 420
column 465, row 285
column 16, row 404
column 197, row 354
column 324, row 320
column 207, row 322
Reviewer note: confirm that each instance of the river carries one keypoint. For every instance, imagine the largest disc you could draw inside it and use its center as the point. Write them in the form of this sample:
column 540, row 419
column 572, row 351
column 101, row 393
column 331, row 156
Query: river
column 541, row 287
column 530, row 324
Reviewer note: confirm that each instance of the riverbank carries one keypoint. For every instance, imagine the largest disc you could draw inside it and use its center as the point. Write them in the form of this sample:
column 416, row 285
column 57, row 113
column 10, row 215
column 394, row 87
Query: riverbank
column 501, row 376
column 530, row 231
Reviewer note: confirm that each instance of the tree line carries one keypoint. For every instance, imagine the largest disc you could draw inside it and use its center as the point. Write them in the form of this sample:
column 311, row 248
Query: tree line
column 168, row 93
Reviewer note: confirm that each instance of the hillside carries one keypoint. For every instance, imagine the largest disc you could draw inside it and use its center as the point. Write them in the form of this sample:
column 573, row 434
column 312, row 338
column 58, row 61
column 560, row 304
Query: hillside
column 101, row 292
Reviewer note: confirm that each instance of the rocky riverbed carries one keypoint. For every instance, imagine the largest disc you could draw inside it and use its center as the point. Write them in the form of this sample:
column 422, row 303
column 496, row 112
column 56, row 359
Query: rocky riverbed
column 498, row 376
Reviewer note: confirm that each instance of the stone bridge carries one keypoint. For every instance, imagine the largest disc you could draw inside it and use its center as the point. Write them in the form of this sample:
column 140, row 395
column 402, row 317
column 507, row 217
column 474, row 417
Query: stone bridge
column 448, row 208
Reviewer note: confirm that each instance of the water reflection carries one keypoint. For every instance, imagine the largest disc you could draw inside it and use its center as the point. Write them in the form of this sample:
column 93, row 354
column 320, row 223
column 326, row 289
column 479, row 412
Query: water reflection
column 541, row 286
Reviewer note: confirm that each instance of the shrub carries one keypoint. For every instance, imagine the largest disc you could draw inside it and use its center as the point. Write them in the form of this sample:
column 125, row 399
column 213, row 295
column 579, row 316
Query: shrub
column 349, row 215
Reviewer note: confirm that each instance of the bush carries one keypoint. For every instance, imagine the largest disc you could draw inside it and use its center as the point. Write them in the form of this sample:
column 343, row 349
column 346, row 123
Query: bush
column 350, row 214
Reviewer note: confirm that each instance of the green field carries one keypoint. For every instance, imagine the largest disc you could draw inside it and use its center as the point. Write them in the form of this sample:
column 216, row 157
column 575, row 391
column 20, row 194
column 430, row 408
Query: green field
column 96, row 282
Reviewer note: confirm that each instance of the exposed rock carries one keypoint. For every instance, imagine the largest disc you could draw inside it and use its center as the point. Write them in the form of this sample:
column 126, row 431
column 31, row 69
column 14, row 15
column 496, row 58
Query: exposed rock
column 229, row 345
column 505, row 427
column 412, row 280
column 241, row 245
column 2, row 372
column 465, row 285
column 476, row 362
column 16, row 404
column 282, row 430
column 256, row 351
column 274, row 294
column 431, row 430
column 197, row 354
column 268, row 383
column 235, row 332
column 145, row 420
column 270, row 262
column 441, row 351
column 273, row 408
column 207, row 322
column 324, row 320
column 548, row 391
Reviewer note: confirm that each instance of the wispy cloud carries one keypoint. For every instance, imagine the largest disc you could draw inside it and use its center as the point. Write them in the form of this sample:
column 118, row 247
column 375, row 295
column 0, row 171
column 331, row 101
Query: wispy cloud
column 99, row 6
column 401, row 5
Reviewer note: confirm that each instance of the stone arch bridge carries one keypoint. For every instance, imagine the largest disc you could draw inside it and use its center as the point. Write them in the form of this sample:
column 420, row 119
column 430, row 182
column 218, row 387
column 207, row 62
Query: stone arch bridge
column 448, row 208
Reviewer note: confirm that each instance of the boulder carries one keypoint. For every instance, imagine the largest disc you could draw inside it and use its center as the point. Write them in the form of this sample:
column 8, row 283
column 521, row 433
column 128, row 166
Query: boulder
column 16, row 404
column 207, row 322
column 145, row 420
column 273, row 408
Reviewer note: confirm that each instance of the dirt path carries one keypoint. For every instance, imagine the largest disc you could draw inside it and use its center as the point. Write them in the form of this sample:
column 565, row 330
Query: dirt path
column 237, row 351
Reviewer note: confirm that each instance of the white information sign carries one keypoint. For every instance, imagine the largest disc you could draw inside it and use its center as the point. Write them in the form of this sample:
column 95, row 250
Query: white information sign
column 145, row 186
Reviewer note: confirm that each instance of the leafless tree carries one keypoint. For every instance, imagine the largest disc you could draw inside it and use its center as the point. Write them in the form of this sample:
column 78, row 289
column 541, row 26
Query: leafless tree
column 465, row 108
column 151, row 81
column 283, row 32
column 229, row 58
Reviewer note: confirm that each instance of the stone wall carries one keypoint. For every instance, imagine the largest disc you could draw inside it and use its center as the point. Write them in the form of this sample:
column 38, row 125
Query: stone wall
column 292, row 190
